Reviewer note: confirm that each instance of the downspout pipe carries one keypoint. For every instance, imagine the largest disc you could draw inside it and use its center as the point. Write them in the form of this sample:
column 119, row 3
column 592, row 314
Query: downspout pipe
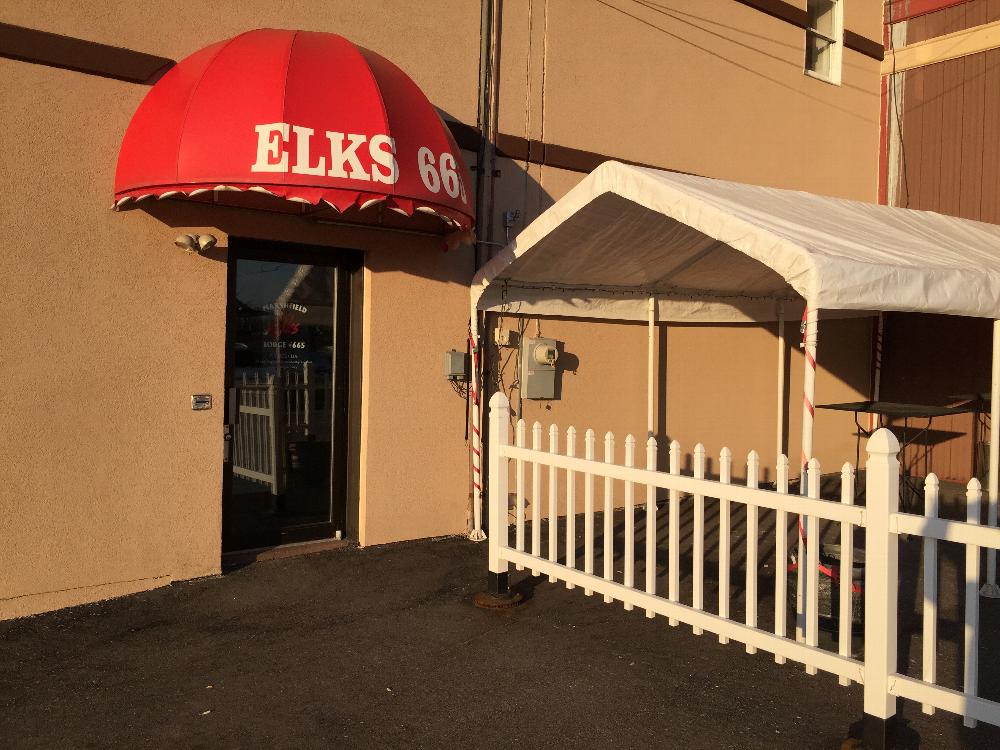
column 489, row 74
column 489, row 66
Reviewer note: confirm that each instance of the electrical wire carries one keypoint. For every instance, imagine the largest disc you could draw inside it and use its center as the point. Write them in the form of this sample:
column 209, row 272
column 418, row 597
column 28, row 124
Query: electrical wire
column 896, row 111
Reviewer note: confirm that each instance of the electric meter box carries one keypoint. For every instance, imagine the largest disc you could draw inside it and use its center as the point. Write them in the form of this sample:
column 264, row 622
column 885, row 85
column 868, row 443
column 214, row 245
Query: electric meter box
column 538, row 368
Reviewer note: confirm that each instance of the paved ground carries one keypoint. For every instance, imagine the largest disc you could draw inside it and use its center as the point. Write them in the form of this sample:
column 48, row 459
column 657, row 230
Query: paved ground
column 383, row 648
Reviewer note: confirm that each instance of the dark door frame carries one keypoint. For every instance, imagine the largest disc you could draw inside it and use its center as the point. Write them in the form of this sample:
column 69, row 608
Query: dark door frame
column 346, row 422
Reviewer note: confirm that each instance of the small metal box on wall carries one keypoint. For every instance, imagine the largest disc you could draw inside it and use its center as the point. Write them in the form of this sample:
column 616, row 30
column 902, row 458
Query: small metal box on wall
column 456, row 365
column 538, row 368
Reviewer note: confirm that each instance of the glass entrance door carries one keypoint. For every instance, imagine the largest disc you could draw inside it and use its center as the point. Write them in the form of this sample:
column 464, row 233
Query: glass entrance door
column 286, row 410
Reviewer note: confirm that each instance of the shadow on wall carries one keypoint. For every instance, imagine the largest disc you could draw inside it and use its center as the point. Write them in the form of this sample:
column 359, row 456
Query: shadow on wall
column 568, row 364
column 376, row 229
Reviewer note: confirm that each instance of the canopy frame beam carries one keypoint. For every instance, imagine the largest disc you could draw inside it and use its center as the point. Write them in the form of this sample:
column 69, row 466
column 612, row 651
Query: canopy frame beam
column 990, row 588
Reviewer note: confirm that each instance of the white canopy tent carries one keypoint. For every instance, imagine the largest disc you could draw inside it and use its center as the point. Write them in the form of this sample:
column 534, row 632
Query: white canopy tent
column 632, row 243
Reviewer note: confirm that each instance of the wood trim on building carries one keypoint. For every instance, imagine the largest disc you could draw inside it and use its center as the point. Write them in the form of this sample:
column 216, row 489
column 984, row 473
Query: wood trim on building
column 783, row 11
column 70, row 53
column 792, row 14
column 80, row 55
column 864, row 45
column 948, row 47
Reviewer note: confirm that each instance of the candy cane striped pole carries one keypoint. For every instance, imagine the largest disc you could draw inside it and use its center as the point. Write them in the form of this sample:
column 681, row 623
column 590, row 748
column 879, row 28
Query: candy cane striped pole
column 475, row 438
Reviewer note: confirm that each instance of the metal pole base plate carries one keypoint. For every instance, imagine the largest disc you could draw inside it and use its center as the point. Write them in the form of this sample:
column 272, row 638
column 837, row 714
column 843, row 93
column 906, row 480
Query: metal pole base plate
column 498, row 594
column 486, row 600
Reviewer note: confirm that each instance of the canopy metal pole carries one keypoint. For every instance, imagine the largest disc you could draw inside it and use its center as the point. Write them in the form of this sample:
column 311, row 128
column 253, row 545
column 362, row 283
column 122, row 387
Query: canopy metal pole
column 475, row 438
column 651, row 371
column 782, row 343
column 810, row 329
column 877, row 374
column 990, row 588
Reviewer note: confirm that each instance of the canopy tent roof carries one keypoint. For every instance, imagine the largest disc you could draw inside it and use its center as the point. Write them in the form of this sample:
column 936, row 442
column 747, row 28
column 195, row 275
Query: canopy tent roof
column 716, row 251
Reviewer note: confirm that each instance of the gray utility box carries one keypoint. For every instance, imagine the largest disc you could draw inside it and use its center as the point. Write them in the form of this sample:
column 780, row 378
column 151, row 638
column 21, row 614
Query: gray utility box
column 538, row 368
column 456, row 365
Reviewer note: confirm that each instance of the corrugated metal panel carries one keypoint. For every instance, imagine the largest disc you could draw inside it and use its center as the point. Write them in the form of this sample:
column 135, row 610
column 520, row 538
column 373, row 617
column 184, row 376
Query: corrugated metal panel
column 949, row 162
column 950, row 156
column 990, row 177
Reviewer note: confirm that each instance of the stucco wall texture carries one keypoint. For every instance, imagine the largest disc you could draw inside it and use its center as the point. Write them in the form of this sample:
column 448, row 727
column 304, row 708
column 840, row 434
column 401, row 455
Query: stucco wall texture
column 109, row 483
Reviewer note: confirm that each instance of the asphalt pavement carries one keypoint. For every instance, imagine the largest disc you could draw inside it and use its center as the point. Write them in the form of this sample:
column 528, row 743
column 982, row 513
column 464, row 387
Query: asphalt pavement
column 382, row 648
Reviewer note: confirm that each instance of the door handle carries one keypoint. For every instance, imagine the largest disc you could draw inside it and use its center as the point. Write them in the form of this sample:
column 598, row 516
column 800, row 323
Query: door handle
column 232, row 406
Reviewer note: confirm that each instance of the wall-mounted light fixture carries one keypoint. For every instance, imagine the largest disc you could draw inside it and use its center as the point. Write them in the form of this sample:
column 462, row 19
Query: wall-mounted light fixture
column 196, row 243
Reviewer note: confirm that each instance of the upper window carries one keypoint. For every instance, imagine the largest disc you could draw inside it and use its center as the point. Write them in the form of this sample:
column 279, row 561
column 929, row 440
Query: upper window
column 824, row 39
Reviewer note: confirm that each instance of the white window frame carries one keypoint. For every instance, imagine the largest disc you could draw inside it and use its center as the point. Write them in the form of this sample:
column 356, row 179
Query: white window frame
column 836, row 42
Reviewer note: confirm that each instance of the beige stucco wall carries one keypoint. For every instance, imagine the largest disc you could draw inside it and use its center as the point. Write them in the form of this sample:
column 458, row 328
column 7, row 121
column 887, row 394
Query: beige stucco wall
column 119, row 327
column 714, row 88
column 109, row 483
column 438, row 47
column 705, row 86
column 415, row 462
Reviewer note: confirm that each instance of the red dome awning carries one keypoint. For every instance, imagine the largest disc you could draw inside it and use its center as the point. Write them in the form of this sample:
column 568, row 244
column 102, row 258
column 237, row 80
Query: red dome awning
column 302, row 115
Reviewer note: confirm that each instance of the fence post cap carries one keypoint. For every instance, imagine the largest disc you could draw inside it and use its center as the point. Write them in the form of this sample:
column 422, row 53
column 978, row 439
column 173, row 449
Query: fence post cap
column 499, row 401
column 882, row 442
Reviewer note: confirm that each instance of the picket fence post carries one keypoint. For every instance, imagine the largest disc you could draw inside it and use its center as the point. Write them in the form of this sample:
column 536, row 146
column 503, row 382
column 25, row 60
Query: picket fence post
column 499, row 583
column 881, row 588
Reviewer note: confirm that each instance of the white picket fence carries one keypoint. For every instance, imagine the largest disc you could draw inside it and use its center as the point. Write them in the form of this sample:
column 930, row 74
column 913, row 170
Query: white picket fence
column 294, row 405
column 880, row 517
